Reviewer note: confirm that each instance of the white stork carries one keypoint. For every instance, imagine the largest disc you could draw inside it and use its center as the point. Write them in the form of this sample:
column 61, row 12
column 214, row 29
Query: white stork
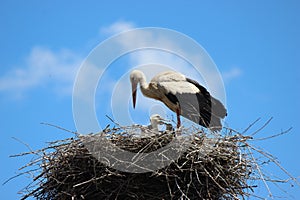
column 156, row 120
column 183, row 96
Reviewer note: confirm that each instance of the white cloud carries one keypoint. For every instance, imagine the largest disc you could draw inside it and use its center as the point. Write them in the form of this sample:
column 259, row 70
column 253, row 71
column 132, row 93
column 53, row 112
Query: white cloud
column 117, row 27
column 146, row 56
column 231, row 74
column 42, row 66
column 45, row 67
column 161, row 57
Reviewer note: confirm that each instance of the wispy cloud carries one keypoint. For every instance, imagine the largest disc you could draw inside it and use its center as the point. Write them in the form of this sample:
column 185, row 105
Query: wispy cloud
column 42, row 66
column 46, row 67
column 231, row 74
column 161, row 57
column 117, row 27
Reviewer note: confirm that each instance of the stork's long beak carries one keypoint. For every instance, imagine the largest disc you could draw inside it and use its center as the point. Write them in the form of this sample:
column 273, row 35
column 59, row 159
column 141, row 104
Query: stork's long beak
column 134, row 87
column 163, row 121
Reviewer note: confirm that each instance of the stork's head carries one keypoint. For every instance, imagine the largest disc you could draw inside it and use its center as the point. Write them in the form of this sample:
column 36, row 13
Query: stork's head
column 136, row 77
column 157, row 119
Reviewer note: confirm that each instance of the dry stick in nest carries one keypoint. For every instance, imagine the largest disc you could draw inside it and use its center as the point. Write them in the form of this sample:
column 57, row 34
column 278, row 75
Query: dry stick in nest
column 212, row 168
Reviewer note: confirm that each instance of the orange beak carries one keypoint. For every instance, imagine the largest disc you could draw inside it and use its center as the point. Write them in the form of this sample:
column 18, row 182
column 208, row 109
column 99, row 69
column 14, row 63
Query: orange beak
column 134, row 86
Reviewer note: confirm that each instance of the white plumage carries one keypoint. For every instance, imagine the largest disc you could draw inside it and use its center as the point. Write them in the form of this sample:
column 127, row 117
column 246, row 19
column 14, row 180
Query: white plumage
column 182, row 95
column 174, row 83
column 156, row 120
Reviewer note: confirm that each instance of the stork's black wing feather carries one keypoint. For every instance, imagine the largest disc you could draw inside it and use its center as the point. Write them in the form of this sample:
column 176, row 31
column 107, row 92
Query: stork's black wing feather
column 195, row 107
column 202, row 89
column 201, row 107
column 217, row 108
column 172, row 98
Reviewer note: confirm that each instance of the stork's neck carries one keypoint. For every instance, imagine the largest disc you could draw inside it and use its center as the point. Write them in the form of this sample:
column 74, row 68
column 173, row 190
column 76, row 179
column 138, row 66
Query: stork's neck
column 143, row 83
column 144, row 86
column 154, row 126
column 147, row 91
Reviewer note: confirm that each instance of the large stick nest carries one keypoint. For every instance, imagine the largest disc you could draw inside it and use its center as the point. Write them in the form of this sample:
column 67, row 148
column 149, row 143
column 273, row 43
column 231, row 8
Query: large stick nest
column 218, row 167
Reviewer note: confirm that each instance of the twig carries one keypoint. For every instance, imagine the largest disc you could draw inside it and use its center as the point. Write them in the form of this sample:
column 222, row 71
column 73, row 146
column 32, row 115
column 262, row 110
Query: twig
column 275, row 162
column 260, row 173
column 58, row 127
column 113, row 121
column 276, row 135
column 252, row 124
column 28, row 147
column 263, row 126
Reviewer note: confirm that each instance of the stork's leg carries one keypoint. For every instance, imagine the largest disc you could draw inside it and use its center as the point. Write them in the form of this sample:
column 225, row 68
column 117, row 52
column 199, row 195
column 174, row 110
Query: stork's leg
column 178, row 117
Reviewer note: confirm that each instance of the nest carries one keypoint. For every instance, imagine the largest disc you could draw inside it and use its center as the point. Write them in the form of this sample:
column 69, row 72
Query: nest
column 218, row 167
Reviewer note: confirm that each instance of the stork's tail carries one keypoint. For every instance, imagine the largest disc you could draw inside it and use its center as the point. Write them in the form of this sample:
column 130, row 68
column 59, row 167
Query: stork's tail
column 215, row 123
column 218, row 108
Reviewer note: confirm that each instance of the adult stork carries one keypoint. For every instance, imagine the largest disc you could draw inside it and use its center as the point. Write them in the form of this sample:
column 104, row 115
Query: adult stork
column 183, row 96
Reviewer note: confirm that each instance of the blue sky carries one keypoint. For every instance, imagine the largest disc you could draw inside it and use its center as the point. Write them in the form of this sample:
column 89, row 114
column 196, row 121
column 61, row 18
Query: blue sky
column 255, row 45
